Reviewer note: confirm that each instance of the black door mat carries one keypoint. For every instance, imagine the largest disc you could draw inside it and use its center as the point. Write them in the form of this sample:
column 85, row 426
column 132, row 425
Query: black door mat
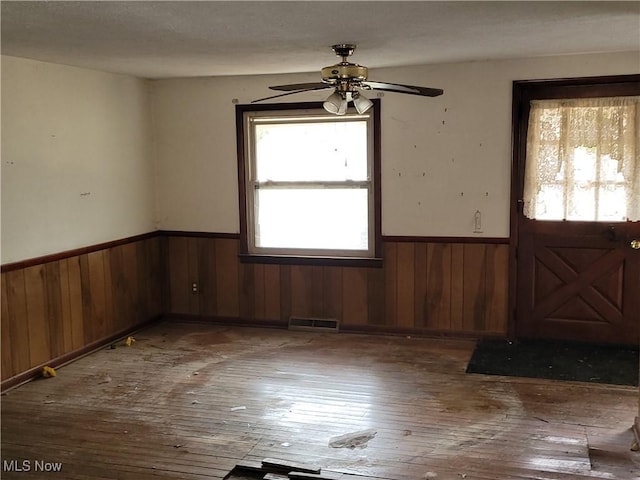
column 579, row 362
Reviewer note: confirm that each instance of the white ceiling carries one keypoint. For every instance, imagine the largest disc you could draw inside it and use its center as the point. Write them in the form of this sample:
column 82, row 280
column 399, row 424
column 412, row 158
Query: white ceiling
column 160, row 39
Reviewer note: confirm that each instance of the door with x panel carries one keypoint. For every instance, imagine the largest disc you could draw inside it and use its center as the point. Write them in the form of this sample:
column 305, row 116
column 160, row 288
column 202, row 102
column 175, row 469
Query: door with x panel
column 579, row 281
column 578, row 235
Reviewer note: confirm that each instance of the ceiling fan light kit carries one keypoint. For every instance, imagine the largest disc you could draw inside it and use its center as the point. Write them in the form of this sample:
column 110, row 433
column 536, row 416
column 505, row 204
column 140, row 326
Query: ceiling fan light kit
column 336, row 103
column 361, row 102
column 347, row 80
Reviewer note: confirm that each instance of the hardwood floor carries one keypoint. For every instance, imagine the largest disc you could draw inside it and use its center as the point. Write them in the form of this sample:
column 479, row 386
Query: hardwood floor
column 190, row 401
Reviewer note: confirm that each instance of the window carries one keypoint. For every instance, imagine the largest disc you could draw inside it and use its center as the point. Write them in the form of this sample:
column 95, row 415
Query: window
column 583, row 160
column 309, row 182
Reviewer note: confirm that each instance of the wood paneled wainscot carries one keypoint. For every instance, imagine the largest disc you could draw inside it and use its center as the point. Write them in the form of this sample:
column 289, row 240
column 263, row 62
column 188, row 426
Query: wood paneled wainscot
column 441, row 287
column 58, row 307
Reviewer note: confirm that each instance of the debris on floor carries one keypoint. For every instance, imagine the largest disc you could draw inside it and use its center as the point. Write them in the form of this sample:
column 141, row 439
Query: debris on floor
column 353, row 440
column 129, row 341
column 235, row 409
column 48, row 372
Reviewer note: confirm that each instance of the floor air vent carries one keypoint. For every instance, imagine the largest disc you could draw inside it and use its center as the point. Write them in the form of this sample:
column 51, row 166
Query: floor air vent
column 314, row 324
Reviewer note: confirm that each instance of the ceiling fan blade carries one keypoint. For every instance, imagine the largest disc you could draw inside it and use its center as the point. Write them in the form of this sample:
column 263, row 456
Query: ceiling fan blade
column 289, row 93
column 410, row 89
column 301, row 86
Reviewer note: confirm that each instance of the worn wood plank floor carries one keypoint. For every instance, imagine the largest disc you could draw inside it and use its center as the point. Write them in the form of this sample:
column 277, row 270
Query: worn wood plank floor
column 167, row 407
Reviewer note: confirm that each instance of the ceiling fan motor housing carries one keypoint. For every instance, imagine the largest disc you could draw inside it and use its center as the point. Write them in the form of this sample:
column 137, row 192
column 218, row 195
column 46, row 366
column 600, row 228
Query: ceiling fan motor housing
column 349, row 72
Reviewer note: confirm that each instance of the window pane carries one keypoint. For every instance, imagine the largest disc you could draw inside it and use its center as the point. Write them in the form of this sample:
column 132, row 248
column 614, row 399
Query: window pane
column 611, row 170
column 582, row 204
column 613, row 204
column 312, row 218
column 317, row 151
column 549, row 202
column 584, row 166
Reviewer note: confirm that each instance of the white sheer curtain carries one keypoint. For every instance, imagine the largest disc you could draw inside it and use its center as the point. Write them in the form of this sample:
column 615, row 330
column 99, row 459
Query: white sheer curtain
column 583, row 160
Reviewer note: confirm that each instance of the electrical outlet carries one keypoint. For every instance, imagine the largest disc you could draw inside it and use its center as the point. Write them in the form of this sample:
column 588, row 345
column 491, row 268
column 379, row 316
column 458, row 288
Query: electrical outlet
column 195, row 288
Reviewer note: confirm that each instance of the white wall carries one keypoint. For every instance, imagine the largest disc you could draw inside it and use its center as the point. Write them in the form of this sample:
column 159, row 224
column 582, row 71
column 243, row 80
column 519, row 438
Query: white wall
column 78, row 162
column 442, row 158
column 76, row 158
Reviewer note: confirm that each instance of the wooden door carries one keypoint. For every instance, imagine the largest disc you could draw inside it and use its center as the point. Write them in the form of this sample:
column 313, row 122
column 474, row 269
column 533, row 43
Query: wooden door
column 571, row 280
column 579, row 281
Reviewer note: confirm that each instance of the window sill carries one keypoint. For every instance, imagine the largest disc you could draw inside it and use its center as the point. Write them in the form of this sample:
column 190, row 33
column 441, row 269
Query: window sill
column 318, row 261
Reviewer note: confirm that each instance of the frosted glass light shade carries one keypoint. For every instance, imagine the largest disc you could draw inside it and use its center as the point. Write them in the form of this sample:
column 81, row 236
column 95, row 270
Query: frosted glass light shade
column 362, row 103
column 335, row 104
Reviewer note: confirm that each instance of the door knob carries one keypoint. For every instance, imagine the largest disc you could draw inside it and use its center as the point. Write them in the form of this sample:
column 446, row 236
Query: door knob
column 635, row 244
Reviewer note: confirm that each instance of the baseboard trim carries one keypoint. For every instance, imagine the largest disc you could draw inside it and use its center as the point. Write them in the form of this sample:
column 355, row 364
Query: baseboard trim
column 231, row 321
column 67, row 358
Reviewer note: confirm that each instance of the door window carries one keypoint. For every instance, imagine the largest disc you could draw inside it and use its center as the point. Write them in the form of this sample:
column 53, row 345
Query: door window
column 582, row 160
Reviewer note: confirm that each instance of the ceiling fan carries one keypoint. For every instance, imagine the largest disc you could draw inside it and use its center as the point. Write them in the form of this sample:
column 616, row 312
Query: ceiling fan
column 348, row 80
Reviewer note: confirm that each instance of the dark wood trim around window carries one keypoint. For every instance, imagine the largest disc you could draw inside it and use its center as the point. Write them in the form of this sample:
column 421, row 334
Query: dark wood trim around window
column 377, row 176
column 245, row 256
column 362, row 262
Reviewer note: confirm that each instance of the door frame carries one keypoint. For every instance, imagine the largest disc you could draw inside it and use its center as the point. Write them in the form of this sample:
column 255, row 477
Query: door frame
column 523, row 92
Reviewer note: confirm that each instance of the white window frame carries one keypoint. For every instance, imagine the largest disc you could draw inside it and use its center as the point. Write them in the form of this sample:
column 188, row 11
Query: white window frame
column 247, row 118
